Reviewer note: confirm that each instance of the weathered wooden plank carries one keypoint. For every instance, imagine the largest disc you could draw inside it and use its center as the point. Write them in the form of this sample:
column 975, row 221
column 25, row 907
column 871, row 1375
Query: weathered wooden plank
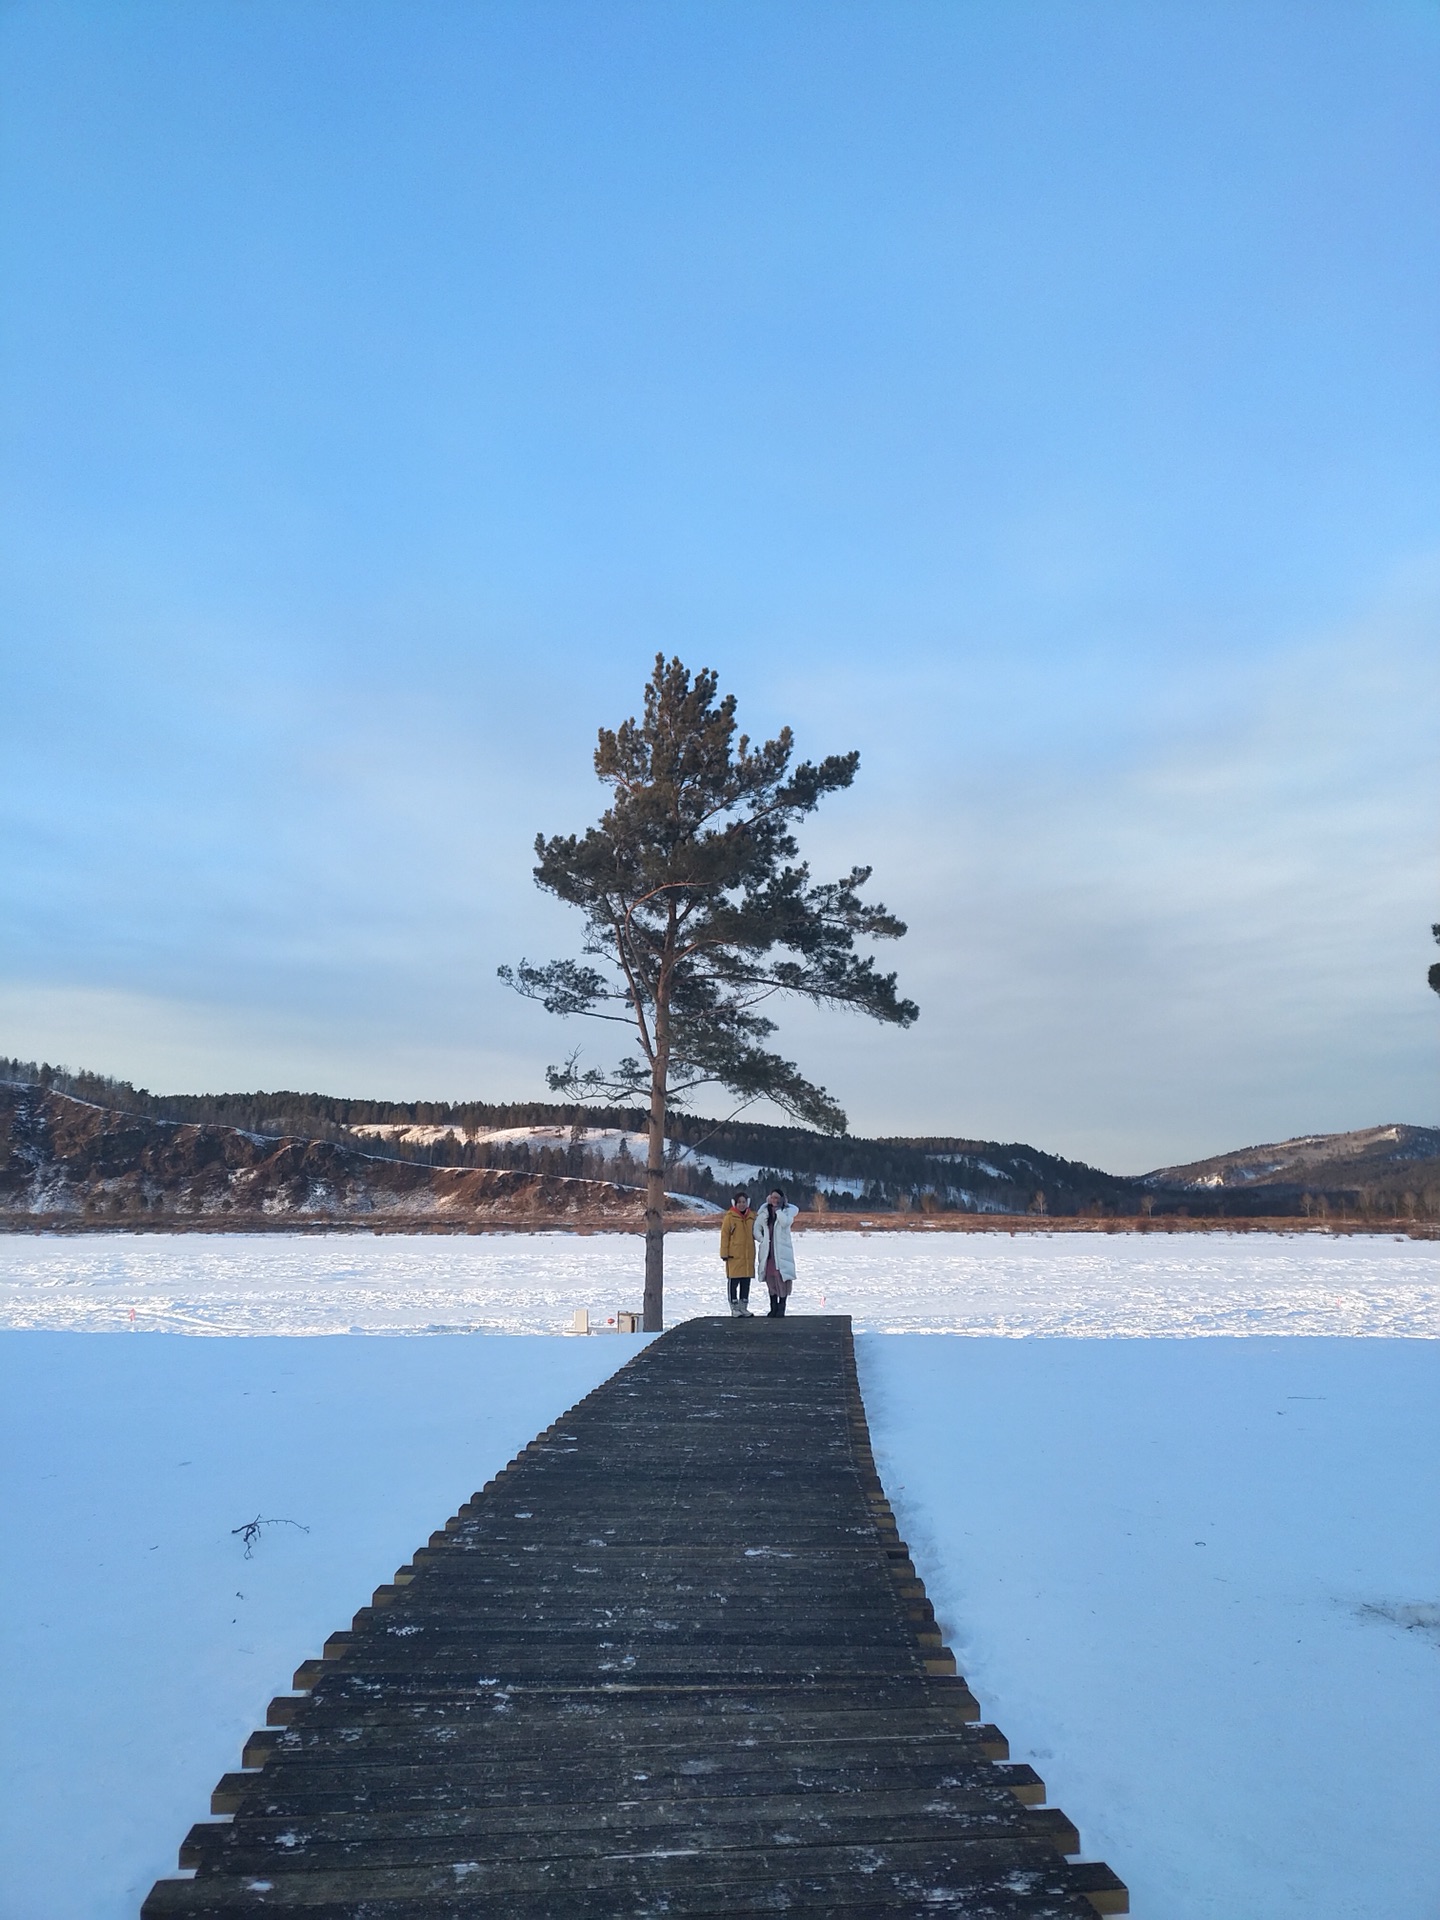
column 1013, row 1878
column 398, row 1780
column 384, row 1795
column 596, row 1828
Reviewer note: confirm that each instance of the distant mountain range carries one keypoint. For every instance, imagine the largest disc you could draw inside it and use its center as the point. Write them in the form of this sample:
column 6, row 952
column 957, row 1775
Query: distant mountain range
column 83, row 1148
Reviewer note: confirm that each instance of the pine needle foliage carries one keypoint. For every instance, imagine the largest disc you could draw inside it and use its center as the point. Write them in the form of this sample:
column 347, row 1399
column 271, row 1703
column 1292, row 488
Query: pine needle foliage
column 699, row 911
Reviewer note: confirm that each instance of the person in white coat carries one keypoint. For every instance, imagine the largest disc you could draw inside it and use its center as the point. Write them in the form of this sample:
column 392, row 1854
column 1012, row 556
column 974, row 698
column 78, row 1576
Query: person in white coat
column 775, row 1251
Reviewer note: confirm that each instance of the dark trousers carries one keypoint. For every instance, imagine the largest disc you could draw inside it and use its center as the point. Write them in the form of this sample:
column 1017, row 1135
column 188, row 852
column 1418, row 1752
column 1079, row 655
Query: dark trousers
column 777, row 1307
column 739, row 1289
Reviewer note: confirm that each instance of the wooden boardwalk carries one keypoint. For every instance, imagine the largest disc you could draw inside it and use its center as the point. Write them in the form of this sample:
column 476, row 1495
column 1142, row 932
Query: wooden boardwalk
column 674, row 1660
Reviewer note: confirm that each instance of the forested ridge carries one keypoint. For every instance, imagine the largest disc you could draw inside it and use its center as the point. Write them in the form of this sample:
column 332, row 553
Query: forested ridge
column 943, row 1171
column 839, row 1172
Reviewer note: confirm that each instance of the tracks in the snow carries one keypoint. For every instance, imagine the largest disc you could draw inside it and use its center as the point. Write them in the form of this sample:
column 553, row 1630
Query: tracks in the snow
column 673, row 1660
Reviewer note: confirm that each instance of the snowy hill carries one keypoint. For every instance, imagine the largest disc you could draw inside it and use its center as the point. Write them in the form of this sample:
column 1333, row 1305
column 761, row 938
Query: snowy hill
column 64, row 1160
column 272, row 1156
column 972, row 1176
column 1392, row 1171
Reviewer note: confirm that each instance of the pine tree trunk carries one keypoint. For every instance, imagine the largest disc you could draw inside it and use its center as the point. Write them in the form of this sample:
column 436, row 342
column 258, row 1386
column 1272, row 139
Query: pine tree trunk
column 653, row 1316
column 653, row 1308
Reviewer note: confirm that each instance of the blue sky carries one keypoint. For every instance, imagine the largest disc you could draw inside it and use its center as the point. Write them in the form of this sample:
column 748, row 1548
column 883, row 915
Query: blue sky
column 1043, row 399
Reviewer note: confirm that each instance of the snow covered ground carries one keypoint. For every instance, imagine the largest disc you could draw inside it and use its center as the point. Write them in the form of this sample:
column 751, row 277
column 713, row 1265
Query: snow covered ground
column 1071, row 1284
column 1244, row 1727
column 138, row 1643
column 1197, row 1583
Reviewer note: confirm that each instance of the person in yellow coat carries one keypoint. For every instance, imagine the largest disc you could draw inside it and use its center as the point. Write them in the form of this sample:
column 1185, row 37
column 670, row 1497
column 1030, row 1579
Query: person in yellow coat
column 737, row 1250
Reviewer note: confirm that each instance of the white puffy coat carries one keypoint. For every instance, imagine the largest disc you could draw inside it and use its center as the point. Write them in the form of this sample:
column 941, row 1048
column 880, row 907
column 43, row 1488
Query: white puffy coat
column 784, row 1246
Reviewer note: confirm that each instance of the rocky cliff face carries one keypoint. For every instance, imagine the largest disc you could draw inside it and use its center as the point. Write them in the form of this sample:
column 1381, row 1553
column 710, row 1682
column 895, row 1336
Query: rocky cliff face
column 65, row 1162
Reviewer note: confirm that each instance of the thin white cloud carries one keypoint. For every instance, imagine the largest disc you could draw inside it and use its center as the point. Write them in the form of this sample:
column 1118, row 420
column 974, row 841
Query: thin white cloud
column 1219, row 937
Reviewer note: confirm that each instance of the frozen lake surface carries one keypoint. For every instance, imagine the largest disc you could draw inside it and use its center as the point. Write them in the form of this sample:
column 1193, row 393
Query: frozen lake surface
column 1061, row 1284
column 1196, row 1580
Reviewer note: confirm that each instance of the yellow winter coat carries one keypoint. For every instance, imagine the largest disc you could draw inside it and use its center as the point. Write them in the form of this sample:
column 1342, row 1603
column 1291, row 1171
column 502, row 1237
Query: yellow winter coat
column 737, row 1244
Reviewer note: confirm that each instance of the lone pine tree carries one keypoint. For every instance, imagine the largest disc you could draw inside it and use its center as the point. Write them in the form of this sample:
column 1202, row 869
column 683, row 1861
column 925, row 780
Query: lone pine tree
column 700, row 910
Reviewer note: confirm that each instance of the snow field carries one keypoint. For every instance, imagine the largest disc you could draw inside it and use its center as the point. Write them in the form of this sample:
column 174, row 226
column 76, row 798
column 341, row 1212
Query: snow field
column 1244, row 1727
column 138, row 1645
column 1071, row 1284
column 1197, row 1583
